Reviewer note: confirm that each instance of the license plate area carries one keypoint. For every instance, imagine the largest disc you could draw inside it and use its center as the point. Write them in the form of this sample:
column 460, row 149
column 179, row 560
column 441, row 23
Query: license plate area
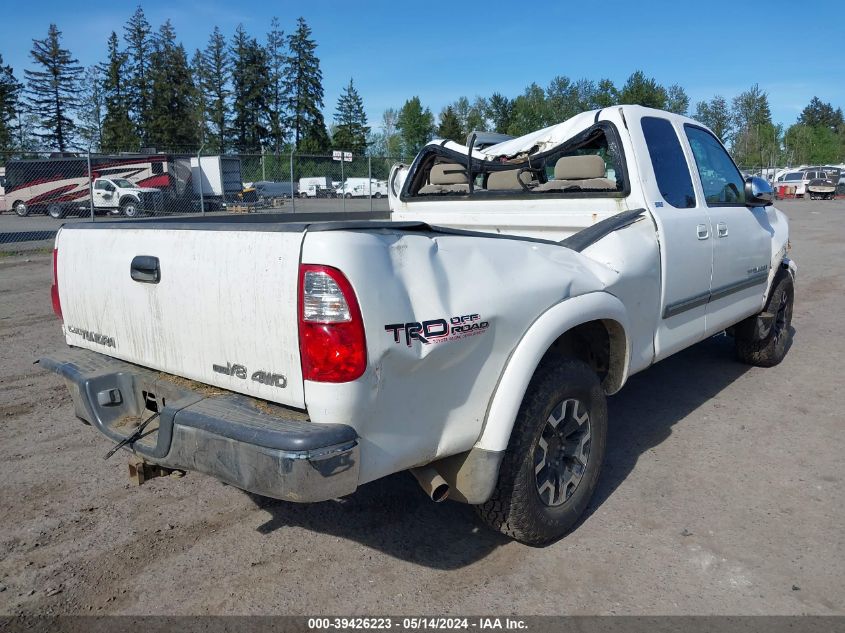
column 121, row 402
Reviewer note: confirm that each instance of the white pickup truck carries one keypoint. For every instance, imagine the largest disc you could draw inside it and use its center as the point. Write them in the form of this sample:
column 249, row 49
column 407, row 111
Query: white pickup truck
column 119, row 195
column 470, row 336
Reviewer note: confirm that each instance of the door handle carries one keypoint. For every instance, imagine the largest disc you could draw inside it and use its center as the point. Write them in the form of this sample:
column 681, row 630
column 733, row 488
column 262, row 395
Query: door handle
column 702, row 231
column 722, row 229
column 145, row 269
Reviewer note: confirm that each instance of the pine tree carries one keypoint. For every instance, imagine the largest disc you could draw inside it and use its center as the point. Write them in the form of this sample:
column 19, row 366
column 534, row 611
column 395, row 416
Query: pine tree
column 54, row 91
column 716, row 115
column 415, row 125
column 9, row 92
column 250, row 92
column 499, row 109
column 606, row 94
column 216, row 64
column 316, row 139
column 92, row 108
column 529, row 111
column 754, row 138
column 172, row 121
column 276, row 60
column 677, row 100
column 450, row 125
column 817, row 113
column 118, row 129
column 303, row 84
column 644, row 91
column 139, row 47
column 351, row 122
column 199, row 74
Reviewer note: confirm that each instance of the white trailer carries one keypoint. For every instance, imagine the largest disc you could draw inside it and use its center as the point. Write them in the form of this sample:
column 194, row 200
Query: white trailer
column 216, row 177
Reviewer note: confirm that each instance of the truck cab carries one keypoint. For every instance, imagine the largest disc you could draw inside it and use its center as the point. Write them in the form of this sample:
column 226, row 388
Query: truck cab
column 119, row 195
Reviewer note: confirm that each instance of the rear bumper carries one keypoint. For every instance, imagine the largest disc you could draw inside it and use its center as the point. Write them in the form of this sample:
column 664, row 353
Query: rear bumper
column 266, row 449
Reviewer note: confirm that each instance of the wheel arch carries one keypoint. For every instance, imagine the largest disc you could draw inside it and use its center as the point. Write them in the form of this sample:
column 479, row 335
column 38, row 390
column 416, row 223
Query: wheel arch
column 592, row 327
column 127, row 198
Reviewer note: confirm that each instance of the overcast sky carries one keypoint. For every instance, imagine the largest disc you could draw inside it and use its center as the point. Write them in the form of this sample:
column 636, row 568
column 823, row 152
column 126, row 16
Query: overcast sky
column 443, row 50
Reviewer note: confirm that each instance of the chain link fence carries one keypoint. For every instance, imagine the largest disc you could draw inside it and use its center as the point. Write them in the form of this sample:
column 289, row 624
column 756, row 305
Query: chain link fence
column 40, row 191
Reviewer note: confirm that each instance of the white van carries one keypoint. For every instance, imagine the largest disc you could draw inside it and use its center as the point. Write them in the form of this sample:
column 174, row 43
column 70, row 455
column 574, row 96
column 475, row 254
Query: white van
column 363, row 188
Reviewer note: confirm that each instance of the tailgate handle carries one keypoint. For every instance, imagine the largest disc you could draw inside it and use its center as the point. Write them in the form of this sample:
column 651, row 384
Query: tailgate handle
column 145, row 269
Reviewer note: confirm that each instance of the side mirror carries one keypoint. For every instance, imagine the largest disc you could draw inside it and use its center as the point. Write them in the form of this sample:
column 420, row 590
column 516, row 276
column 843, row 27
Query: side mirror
column 758, row 192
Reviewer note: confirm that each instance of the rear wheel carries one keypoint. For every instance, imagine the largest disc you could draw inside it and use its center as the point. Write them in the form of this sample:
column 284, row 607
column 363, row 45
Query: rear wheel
column 377, row 195
column 763, row 340
column 21, row 209
column 348, row 195
column 551, row 466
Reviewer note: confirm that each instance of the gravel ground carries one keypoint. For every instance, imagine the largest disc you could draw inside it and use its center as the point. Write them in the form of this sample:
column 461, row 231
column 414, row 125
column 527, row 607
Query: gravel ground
column 722, row 494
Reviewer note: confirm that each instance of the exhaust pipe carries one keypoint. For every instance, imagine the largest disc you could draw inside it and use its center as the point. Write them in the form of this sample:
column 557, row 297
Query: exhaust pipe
column 434, row 485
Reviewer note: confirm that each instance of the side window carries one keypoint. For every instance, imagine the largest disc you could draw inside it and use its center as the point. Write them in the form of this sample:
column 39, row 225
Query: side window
column 670, row 166
column 157, row 168
column 99, row 185
column 720, row 179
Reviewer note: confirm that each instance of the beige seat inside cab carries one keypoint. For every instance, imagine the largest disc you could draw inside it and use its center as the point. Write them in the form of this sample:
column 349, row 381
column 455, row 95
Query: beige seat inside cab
column 584, row 172
column 510, row 180
column 446, row 178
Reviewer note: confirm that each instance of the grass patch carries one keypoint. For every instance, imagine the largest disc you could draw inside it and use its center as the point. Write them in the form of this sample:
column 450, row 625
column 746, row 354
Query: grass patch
column 46, row 250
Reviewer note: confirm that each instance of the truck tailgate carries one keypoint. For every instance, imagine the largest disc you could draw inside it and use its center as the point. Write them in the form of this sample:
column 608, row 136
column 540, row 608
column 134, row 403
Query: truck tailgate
column 223, row 312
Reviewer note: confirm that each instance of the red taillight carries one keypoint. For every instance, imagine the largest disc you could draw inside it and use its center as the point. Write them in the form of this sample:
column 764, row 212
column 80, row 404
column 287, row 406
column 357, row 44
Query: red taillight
column 54, row 289
column 331, row 332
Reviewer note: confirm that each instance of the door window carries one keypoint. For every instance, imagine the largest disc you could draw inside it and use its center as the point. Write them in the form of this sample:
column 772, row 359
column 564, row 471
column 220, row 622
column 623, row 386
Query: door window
column 670, row 166
column 720, row 179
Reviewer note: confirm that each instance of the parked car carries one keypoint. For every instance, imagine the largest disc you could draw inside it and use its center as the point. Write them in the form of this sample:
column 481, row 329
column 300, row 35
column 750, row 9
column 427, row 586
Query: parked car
column 471, row 337
column 792, row 178
column 823, row 187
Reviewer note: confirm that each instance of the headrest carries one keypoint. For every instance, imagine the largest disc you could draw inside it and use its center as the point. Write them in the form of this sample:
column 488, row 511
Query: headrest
column 448, row 174
column 579, row 167
column 507, row 180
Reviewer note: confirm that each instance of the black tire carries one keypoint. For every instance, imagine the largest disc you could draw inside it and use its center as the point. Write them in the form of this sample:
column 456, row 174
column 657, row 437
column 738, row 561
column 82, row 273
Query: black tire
column 21, row 210
column 767, row 346
column 56, row 211
column 377, row 195
column 520, row 506
column 130, row 209
column 348, row 195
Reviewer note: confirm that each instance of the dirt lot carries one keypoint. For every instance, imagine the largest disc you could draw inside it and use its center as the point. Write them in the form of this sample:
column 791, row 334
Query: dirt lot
column 722, row 493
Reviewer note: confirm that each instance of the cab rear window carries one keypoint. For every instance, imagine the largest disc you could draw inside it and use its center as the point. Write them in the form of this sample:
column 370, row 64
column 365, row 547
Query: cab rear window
column 669, row 163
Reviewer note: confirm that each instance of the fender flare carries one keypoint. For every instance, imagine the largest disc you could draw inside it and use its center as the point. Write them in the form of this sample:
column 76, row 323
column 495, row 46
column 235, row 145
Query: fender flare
column 126, row 197
column 523, row 361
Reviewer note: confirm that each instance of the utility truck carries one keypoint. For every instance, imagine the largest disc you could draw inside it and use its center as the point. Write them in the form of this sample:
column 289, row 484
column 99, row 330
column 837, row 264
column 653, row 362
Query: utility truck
column 362, row 188
column 471, row 336
column 316, row 187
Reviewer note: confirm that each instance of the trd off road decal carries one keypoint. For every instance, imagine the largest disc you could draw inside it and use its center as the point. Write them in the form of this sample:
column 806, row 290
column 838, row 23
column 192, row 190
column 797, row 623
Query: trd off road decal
column 438, row 330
